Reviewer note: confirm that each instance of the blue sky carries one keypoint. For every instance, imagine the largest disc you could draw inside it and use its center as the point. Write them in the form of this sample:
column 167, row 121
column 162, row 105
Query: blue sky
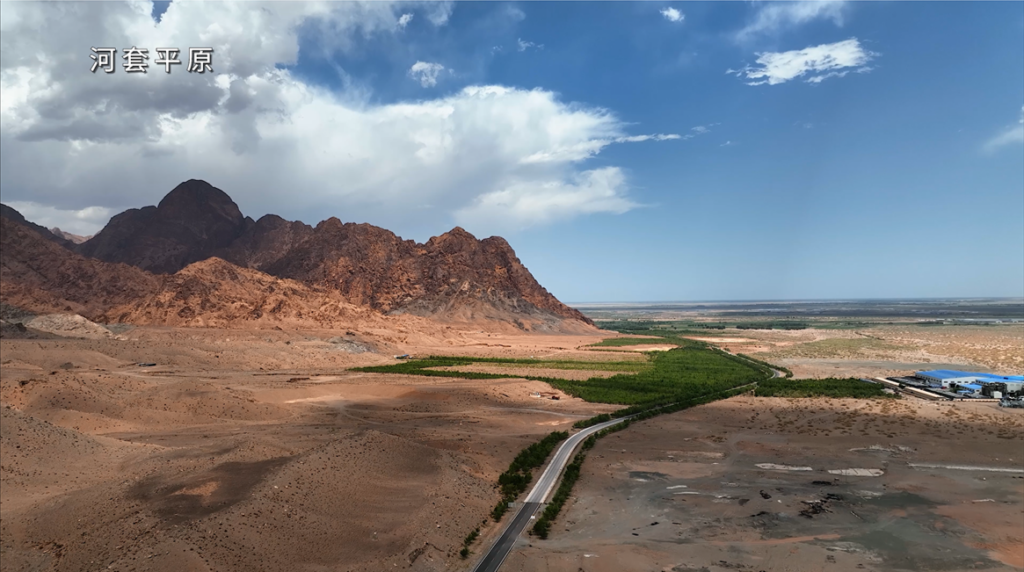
column 899, row 174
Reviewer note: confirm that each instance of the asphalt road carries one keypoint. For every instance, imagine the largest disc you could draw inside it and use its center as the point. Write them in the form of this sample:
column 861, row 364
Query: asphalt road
column 501, row 547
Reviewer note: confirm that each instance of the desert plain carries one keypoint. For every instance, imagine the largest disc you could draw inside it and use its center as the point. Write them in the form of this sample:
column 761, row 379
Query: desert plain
column 159, row 448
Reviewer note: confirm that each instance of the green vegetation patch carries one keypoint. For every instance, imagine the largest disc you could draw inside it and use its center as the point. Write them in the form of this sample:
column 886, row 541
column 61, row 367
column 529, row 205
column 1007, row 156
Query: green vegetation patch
column 685, row 372
column 681, row 373
column 517, row 477
column 624, row 366
column 830, row 387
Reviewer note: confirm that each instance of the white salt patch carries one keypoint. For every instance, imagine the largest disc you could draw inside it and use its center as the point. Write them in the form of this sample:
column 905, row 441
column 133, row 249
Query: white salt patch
column 965, row 468
column 774, row 467
column 857, row 472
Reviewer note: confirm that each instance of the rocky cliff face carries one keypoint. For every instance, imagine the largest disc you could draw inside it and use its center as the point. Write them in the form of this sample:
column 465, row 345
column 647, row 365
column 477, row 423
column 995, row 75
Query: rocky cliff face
column 41, row 275
column 190, row 224
column 453, row 276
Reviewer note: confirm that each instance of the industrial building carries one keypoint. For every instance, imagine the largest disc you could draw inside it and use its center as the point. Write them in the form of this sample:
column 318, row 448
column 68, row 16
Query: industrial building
column 969, row 383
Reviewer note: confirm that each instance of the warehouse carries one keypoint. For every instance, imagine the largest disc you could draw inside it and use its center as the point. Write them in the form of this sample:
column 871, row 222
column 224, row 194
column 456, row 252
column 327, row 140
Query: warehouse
column 972, row 384
column 945, row 377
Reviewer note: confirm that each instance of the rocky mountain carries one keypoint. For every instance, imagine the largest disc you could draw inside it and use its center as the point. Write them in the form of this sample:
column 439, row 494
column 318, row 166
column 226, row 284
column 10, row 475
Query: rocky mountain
column 190, row 224
column 41, row 276
column 453, row 276
column 11, row 214
column 75, row 238
column 38, row 274
column 215, row 293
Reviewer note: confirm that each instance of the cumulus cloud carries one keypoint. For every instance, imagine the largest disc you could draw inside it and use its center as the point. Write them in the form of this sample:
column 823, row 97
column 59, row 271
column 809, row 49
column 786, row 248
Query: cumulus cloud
column 673, row 15
column 404, row 20
column 426, row 73
column 1013, row 134
column 771, row 18
column 818, row 63
column 588, row 192
column 71, row 140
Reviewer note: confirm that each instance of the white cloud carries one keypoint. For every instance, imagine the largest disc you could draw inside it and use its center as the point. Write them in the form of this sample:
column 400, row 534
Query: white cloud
column 1011, row 135
column 699, row 130
column 588, row 192
column 523, row 46
column 426, row 73
column 440, row 13
column 404, row 20
column 818, row 62
column 71, row 140
column 673, row 15
column 82, row 221
column 771, row 18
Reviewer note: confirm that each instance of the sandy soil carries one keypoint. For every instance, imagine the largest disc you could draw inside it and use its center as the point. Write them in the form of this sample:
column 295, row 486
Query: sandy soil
column 635, row 349
column 885, row 350
column 685, row 492
column 254, row 451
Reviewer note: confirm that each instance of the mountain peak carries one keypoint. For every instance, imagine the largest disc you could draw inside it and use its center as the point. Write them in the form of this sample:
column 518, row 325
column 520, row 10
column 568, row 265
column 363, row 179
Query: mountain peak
column 195, row 194
column 189, row 224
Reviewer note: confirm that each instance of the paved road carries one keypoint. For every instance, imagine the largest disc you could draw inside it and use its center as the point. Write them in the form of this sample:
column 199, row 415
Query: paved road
column 500, row 549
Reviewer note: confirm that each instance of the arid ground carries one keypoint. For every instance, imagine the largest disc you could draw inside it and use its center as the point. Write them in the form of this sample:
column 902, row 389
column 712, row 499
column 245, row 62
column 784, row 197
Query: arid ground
column 253, row 451
column 721, row 488
column 259, row 450
column 885, row 349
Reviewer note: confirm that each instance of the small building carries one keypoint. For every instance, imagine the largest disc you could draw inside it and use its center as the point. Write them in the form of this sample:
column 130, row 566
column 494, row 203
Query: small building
column 969, row 388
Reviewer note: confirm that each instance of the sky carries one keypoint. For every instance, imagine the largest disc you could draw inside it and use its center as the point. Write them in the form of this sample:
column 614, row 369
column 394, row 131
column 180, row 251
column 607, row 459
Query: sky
column 628, row 151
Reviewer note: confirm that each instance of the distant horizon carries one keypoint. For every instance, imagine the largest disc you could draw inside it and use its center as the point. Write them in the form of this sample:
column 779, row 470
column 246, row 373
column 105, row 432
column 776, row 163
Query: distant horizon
column 794, row 300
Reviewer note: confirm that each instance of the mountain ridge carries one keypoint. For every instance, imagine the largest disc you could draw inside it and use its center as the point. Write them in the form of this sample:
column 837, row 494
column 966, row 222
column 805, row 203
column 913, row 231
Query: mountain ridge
column 453, row 276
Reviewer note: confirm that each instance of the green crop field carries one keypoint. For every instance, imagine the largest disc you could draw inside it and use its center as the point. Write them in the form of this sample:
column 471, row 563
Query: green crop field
column 622, row 342
column 831, row 387
column 691, row 370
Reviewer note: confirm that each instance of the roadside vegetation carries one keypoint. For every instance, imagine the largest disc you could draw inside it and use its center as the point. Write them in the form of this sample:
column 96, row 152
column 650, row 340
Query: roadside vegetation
column 784, row 370
column 542, row 527
column 830, row 387
column 688, row 375
column 517, row 477
column 469, row 541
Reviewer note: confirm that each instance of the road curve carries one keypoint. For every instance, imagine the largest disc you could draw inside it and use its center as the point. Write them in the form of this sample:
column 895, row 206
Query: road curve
column 493, row 558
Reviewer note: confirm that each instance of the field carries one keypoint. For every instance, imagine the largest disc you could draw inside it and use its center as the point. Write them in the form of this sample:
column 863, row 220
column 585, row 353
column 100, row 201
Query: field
column 689, row 371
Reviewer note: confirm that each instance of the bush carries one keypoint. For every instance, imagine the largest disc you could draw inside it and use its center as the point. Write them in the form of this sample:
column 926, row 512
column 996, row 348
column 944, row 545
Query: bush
column 514, row 481
column 831, row 387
